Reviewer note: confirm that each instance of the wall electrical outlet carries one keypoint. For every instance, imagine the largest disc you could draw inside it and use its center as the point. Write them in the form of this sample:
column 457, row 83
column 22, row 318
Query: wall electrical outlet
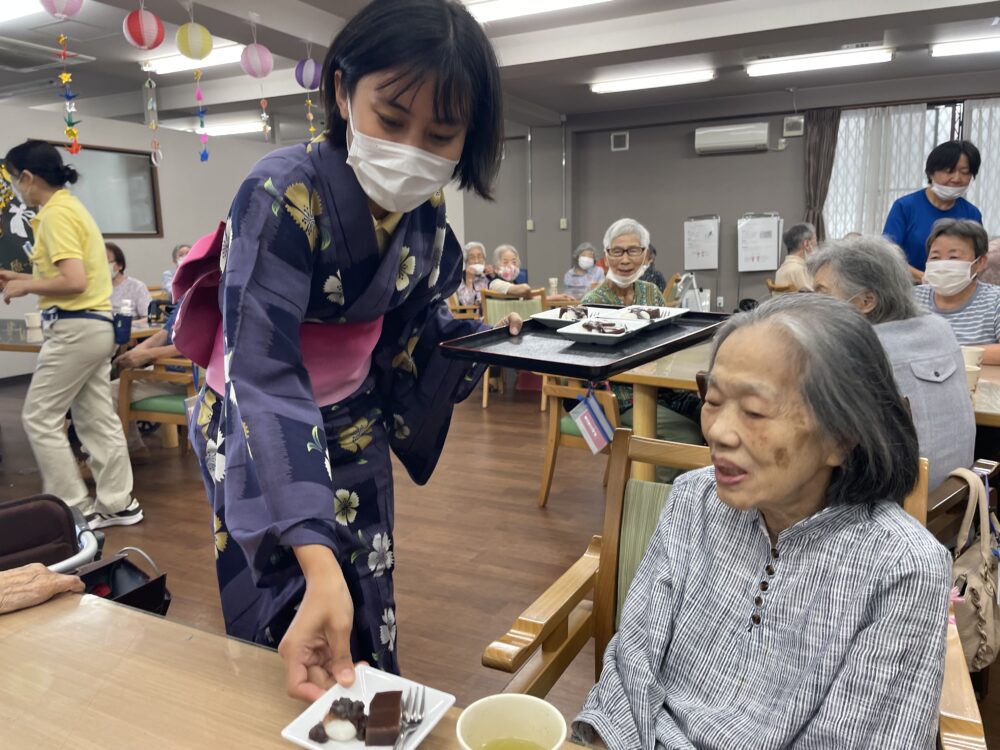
column 563, row 223
column 531, row 225
column 720, row 302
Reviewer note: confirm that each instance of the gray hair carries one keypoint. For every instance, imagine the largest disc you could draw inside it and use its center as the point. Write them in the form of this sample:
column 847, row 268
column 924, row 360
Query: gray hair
column 469, row 245
column 177, row 249
column 869, row 264
column 964, row 228
column 626, row 226
column 796, row 235
column 847, row 384
column 500, row 248
column 581, row 249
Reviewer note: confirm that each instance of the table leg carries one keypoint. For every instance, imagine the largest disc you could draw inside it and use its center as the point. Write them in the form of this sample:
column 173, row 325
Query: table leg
column 644, row 425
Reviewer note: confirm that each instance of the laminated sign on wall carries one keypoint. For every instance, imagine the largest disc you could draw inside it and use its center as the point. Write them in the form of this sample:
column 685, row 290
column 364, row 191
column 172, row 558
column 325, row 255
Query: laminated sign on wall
column 759, row 241
column 701, row 243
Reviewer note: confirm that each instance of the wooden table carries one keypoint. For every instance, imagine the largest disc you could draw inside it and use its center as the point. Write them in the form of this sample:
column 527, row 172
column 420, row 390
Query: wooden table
column 85, row 673
column 15, row 336
column 679, row 370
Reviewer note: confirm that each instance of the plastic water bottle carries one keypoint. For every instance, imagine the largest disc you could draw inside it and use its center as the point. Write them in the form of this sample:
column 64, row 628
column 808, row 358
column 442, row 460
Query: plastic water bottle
column 123, row 322
column 168, row 281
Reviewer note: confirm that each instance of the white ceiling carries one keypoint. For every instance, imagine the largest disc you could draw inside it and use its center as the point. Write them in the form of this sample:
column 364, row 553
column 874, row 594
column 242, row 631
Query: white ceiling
column 548, row 59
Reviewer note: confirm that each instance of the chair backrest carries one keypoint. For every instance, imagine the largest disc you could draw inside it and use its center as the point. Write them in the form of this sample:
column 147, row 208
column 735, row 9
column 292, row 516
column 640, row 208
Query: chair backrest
column 460, row 311
column 916, row 502
column 498, row 306
column 780, row 288
column 569, row 388
column 631, row 510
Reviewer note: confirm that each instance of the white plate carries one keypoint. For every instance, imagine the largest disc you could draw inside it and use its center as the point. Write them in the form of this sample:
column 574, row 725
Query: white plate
column 551, row 318
column 667, row 314
column 576, row 332
column 368, row 682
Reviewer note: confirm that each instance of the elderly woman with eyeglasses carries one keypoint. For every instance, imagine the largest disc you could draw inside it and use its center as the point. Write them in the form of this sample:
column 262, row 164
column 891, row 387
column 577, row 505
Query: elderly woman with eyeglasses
column 872, row 274
column 786, row 599
column 625, row 246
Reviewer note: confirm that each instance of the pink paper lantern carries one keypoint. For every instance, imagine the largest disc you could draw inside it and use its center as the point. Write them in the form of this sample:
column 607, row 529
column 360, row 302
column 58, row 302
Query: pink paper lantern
column 308, row 73
column 62, row 9
column 143, row 29
column 256, row 61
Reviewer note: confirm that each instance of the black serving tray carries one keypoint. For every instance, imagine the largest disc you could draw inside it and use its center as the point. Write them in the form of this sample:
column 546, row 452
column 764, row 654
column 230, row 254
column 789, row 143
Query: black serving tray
column 543, row 350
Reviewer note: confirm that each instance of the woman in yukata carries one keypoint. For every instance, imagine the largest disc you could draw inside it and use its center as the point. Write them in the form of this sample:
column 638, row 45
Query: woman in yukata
column 337, row 262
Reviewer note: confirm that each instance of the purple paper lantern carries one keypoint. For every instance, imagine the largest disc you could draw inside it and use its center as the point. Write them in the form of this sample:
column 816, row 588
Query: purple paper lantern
column 308, row 73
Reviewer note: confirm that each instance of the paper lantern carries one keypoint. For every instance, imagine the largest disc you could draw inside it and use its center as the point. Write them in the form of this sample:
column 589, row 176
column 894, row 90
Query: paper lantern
column 62, row 9
column 308, row 73
column 194, row 41
column 143, row 29
column 256, row 60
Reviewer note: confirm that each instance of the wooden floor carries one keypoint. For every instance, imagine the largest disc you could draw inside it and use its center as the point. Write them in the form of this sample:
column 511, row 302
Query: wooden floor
column 472, row 547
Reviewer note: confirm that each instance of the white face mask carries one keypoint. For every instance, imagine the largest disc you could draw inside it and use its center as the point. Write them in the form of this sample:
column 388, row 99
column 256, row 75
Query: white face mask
column 477, row 269
column 585, row 262
column 112, row 269
column 948, row 277
column 17, row 192
column 625, row 281
column 395, row 176
column 509, row 273
column 947, row 192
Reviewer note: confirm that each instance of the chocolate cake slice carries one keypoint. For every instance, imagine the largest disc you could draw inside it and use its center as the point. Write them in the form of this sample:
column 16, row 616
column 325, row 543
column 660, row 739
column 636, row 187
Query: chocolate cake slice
column 385, row 716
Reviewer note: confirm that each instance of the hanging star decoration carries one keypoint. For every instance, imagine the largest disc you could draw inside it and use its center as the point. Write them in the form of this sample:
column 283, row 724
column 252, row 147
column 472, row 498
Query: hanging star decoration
column 65, row 79
column 310, row 117
column 265, row 118
column 199, row 97
column 152, row 120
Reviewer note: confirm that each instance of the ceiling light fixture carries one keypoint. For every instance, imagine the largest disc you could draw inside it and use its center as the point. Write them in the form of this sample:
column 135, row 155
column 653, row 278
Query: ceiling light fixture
column 13, row 9
column 822, row 61
column 966, row 47
column 486, row 11
column 653, row 82
column 232, row 128
column 178, row 63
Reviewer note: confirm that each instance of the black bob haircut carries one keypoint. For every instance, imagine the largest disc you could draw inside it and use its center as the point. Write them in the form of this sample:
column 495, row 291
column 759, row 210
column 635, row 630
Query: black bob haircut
column 42, row 159
column 418, row 39
column 945, row 157
column 116, row 251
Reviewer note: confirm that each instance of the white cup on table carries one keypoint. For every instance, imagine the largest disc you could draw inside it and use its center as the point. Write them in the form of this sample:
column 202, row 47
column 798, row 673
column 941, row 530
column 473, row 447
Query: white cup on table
column 511, row 716
column 33, row 319
column 973, row 355
column 972, row 373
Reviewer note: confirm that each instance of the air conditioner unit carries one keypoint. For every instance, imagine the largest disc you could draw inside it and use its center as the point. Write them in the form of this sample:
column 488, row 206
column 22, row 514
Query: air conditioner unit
column 750, row 136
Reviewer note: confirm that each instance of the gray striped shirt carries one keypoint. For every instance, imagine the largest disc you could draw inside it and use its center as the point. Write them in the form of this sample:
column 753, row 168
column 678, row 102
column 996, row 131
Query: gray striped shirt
column 974, row 323
column 847, row 650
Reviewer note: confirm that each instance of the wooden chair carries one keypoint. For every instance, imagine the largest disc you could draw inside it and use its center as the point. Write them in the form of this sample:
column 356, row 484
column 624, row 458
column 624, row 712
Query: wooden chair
column 498, row 306
column 563, row 430
column 780, row 288
column 167, row 409
column 550, row 633
column 462, row 312
column 670, row 292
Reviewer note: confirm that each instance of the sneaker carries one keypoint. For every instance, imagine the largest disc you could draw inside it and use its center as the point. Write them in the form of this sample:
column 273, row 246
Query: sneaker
column 131, row 515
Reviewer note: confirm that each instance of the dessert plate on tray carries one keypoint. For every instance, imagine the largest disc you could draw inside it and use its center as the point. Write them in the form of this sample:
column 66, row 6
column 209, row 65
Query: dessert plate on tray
column 368, row 681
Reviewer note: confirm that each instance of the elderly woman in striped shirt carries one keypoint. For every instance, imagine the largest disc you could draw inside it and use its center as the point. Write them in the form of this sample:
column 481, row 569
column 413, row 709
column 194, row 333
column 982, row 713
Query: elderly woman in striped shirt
column 786, row 598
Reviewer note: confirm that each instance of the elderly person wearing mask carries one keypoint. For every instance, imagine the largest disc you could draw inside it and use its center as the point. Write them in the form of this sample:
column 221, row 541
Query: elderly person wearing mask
column 584, row 275
column 625, row 245
column 956, row 253
column 507, row 265
column 871, row 273
column 477, row 274
column 786, row 599
column 800, row 240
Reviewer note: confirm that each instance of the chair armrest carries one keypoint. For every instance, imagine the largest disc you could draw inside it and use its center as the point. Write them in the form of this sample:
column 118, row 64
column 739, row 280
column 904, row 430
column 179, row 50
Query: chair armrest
column 172, row 362
column 960, row 725
column 547, row 615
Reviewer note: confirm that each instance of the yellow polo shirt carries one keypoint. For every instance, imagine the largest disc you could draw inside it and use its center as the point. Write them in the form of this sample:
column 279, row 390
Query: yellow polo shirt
column 65, row 229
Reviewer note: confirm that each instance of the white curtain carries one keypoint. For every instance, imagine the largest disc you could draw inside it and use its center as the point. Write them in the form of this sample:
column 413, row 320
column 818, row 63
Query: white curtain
column 982, row 127
column 880, row 156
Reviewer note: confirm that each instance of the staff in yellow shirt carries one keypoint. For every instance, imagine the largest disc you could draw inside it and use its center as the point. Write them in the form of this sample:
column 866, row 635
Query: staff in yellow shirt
column 73, row 285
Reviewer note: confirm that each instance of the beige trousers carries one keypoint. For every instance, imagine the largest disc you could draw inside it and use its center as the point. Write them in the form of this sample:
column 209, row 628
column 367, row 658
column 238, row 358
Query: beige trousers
column 143, row 389
column 73, row 371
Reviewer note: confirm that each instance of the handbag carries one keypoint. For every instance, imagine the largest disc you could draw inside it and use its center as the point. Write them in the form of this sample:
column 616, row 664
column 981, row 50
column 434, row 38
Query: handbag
column 119, row 579
column 39, row 529
column 975, row 575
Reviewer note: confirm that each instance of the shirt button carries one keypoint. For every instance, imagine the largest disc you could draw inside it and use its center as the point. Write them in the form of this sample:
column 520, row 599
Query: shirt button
column 758, row 601
column 755, row 618
column 769, row 570
column 763, row 585
column 774, row 552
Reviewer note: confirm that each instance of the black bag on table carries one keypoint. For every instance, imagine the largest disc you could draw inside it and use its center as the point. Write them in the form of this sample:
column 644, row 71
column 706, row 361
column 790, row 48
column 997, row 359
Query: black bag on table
column 119, row 579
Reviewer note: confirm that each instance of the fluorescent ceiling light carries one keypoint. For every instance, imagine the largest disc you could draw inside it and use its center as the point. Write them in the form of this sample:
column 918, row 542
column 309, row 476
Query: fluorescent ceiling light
column 966, row 47
column 177, row 63
column 824, row 60
column 233, row 128
column 12, row 9
column 653, row 82
column 496, row 10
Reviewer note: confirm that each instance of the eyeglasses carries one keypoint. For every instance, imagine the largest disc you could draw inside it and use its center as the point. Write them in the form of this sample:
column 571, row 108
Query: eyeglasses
column 633, row 252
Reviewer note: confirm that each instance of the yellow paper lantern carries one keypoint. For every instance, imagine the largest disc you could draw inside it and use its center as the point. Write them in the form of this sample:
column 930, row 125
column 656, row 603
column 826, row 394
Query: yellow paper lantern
column 194, row 41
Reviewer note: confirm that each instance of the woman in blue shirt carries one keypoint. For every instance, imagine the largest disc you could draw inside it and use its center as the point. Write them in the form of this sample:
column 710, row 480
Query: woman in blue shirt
column 950, row 168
